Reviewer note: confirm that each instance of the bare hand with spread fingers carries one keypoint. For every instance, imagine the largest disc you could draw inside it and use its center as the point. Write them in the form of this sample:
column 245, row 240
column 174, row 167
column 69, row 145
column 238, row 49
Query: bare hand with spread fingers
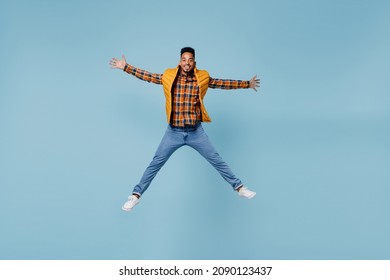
column 120, row 64
column 254, row 83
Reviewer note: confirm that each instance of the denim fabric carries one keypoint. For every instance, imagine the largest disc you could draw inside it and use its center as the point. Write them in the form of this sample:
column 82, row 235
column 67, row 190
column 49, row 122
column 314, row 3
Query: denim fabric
column 196, row 138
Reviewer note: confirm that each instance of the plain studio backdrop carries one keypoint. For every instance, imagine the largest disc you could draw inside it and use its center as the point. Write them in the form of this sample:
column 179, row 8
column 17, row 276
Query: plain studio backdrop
column 313, row 143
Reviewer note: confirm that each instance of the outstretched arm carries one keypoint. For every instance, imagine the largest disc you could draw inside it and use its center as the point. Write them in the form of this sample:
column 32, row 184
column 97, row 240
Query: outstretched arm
column 139, row 73
column 254, row 83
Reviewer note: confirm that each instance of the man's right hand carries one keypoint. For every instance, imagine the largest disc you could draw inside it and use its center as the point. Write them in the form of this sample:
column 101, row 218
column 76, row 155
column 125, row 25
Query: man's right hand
column 120, row 64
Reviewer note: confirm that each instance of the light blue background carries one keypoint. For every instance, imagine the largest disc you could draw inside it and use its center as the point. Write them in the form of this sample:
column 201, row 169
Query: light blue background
column 76, row 135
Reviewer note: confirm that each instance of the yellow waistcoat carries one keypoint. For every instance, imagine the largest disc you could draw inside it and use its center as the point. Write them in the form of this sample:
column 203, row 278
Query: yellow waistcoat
column 202, row 78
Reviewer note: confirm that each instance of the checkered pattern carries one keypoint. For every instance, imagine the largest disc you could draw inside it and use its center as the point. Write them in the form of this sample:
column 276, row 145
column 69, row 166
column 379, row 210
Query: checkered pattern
column 185, row 102
column 185, row 98
column 143, row 75
column 228, row 84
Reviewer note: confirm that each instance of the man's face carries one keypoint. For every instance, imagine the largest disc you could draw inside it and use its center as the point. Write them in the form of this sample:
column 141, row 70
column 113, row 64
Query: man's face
column 187, row 62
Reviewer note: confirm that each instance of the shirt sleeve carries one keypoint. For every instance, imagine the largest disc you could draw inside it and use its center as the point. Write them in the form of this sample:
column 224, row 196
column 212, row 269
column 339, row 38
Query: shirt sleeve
column 143, row 75
column 228, row 84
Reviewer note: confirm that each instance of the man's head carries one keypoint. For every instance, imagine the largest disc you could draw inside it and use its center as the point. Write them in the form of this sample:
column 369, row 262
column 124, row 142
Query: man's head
column 187, row 60
column 187, row 49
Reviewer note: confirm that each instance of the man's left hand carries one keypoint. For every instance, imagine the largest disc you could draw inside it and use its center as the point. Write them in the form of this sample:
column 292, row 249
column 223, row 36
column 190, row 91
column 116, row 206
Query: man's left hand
column 254, row 83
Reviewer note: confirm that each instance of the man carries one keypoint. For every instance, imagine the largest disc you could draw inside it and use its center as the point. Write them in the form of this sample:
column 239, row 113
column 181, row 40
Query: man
column 185, row 87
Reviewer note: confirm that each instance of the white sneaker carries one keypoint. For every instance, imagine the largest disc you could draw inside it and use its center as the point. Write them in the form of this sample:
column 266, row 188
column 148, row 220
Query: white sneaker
column 245, row 192
column 130, row 203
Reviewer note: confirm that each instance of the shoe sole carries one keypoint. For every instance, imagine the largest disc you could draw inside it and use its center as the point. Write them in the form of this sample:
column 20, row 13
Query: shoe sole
column 249, row 197
column 129, row 209
column 252, row 196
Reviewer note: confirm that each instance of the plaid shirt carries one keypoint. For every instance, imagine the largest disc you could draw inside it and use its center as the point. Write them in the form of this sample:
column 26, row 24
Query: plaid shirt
column 185, row 93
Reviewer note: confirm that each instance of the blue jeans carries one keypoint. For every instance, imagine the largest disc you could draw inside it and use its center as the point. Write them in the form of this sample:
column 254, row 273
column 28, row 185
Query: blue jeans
column 196, row 138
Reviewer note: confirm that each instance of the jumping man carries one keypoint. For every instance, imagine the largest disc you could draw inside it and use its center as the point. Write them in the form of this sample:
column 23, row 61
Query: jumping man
column 185, row 87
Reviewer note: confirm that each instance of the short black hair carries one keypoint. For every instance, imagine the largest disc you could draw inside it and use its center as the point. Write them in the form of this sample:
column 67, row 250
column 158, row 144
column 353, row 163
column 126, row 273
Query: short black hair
column 187, row 49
